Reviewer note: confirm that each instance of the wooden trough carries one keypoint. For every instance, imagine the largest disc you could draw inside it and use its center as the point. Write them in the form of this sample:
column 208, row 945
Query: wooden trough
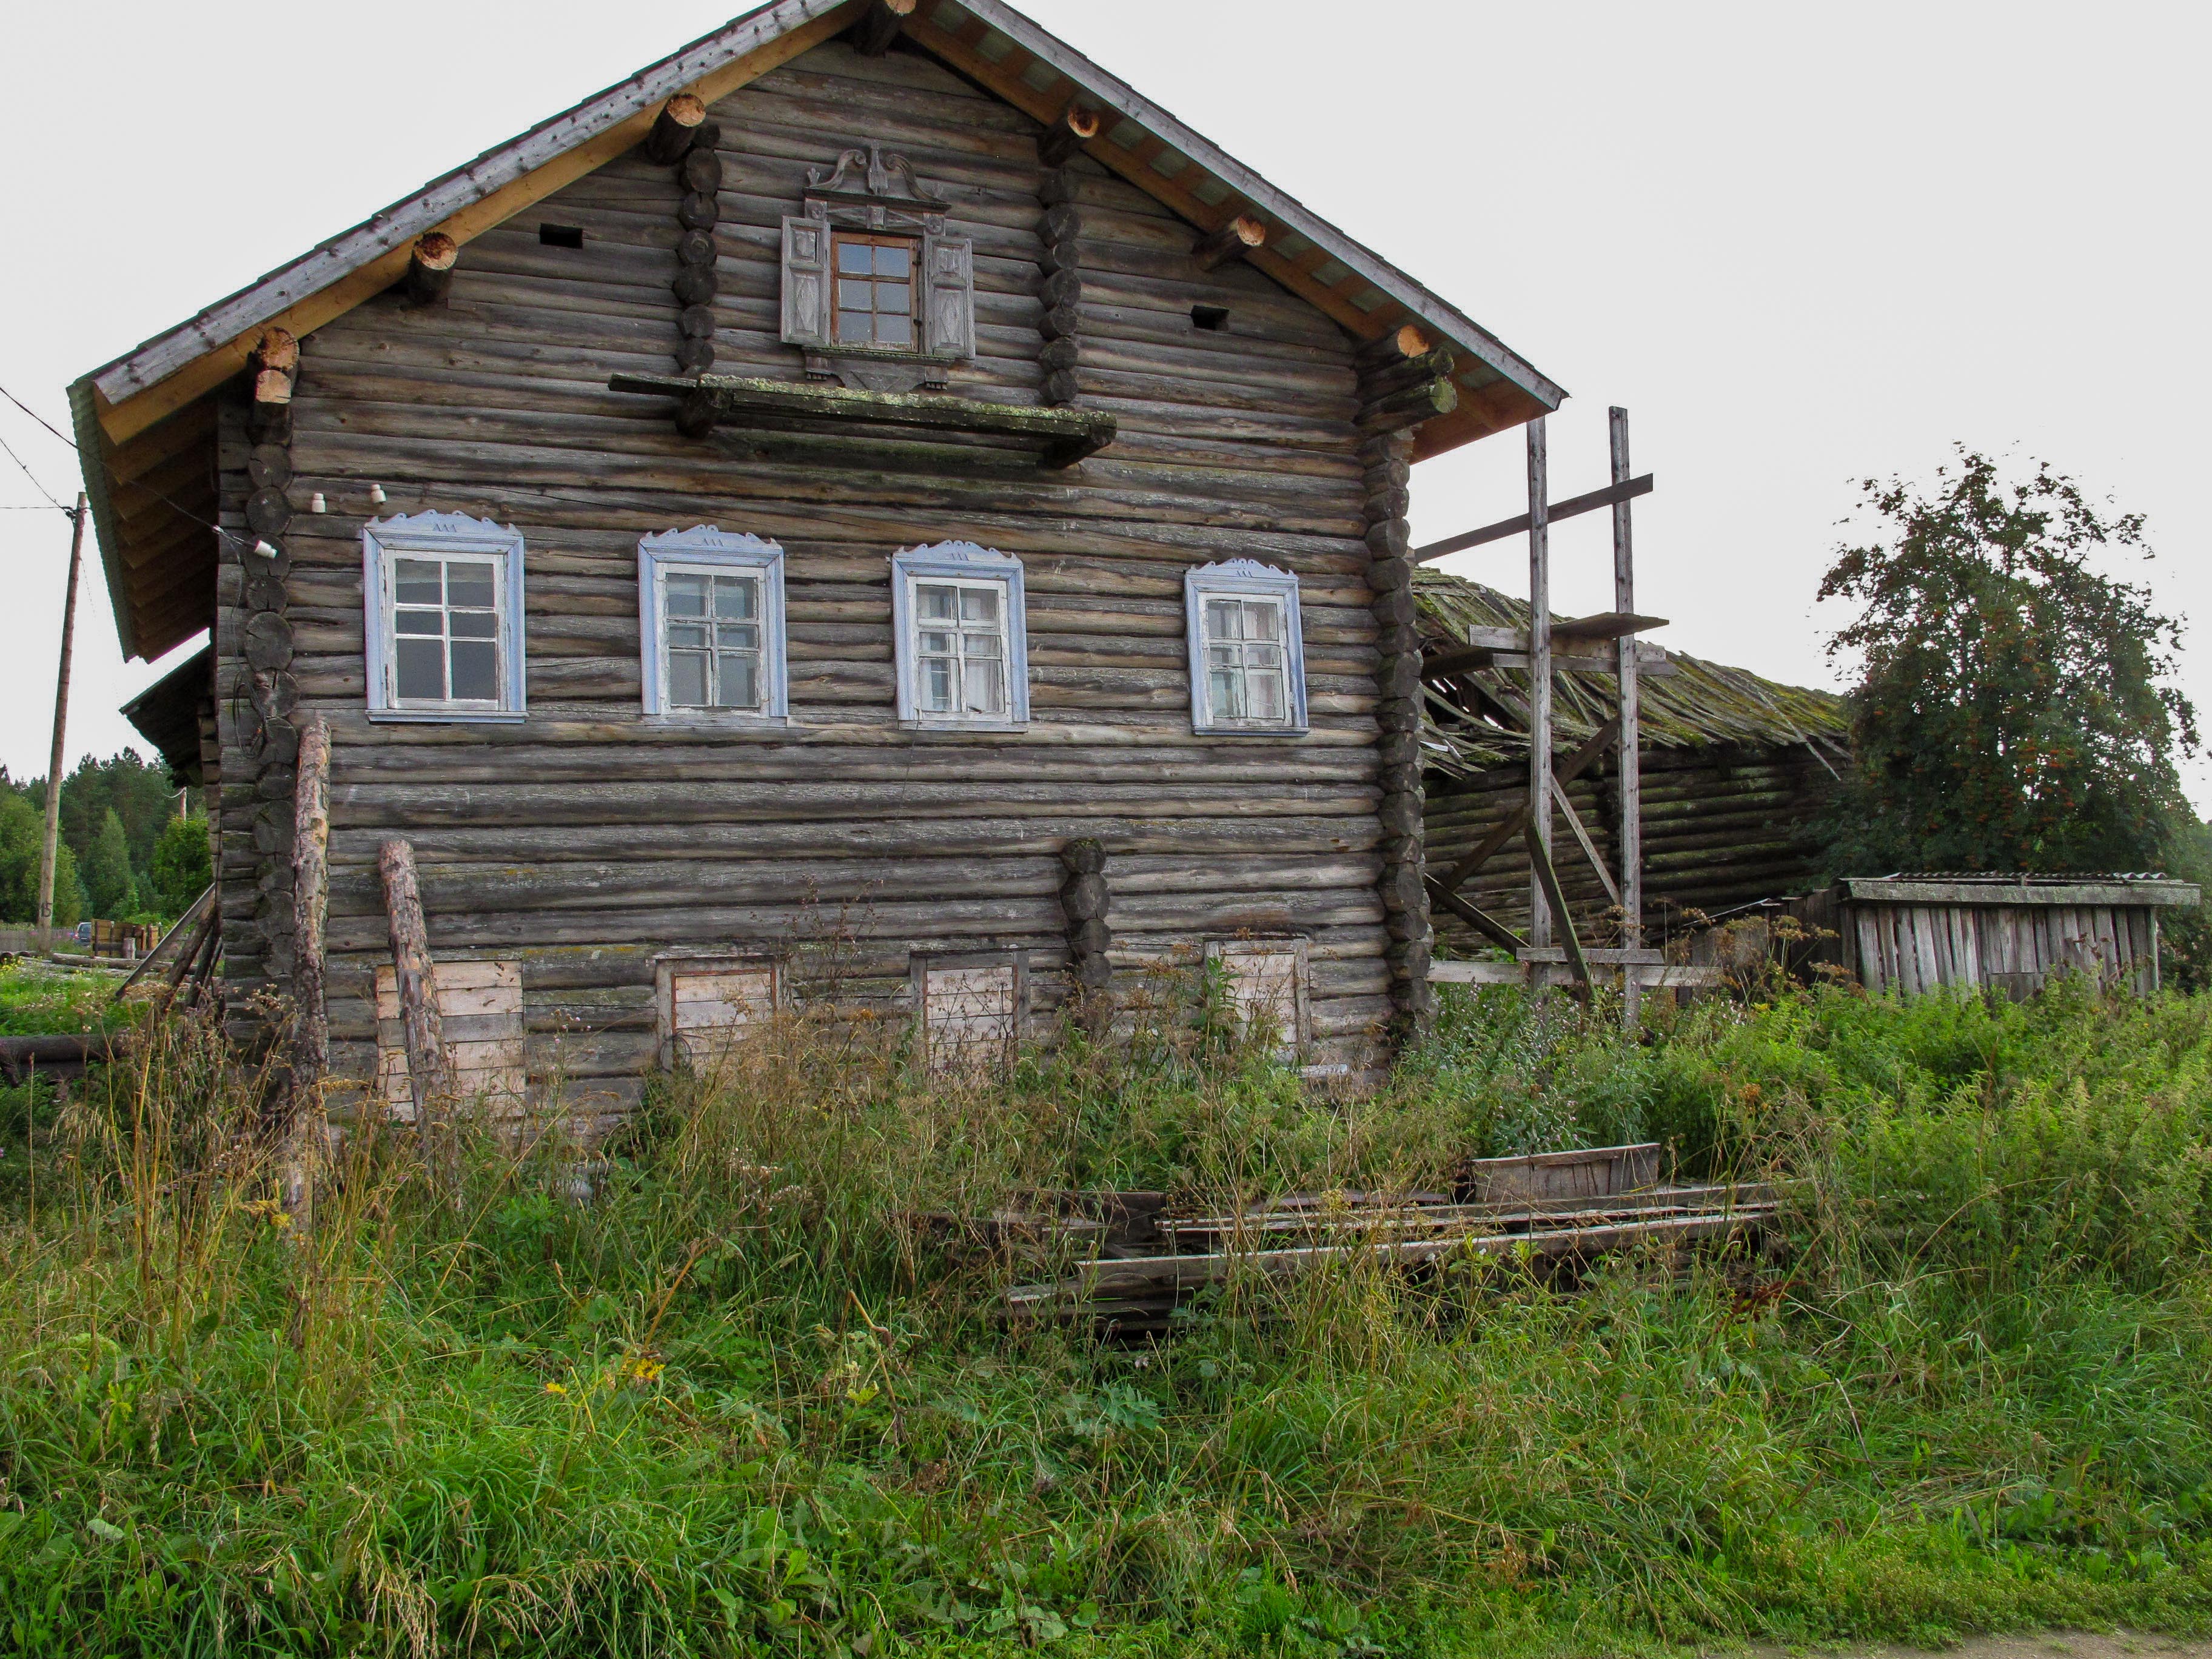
column 1139, row 1265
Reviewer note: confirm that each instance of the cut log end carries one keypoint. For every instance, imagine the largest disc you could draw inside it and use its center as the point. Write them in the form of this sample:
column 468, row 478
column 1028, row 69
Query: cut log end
column 430, row 268
column 675, row 128
column 1076, row 127
column 1233, row 241
column 277, row 348
column 879, row 25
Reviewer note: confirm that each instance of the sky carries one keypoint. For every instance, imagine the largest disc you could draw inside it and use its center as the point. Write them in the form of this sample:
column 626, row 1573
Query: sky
column 1801, row 246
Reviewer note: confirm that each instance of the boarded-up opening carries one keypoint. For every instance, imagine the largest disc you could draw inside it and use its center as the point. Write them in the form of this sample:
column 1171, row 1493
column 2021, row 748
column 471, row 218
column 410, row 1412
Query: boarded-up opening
column 970, row 1010
column 708, row 1003
column 1267, row 985
column 480, row 1005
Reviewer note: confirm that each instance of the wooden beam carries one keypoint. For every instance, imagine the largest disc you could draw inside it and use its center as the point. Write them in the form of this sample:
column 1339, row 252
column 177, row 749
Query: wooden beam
column 1539, row 861
column 879, row 26
column 310, row 820
column 1400, row 344
column 1575, row 764
column 680, row 121
column 1481, row 920
column 414, row 980
column 1542, row 908
column 1583, row 840
column 1063, row 139
column 1411, row 407
column 1605, row 624
column 1628, row 489
column 1230, row 242
column 193, row 379
column 1628, row 665
column 430, row 268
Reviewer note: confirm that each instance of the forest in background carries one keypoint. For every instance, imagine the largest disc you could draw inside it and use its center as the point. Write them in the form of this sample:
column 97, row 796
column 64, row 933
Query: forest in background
column 129, row 850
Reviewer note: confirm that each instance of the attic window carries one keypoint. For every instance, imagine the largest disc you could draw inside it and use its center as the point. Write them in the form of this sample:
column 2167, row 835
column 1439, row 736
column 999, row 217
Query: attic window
column 560, row 235
column 1211, row 318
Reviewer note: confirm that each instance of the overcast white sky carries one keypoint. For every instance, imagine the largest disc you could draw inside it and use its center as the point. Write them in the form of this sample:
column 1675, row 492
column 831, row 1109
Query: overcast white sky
column 1800, row 244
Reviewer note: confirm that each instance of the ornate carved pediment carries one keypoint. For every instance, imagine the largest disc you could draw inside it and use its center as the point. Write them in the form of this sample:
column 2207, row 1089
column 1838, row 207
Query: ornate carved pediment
column 869, row 175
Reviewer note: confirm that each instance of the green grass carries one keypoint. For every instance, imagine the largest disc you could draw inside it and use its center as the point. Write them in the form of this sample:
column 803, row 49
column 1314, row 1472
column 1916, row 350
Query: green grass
column 739, row 1402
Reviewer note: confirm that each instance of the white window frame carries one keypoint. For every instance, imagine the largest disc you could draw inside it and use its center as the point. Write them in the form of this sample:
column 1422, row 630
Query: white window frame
column 960, row 561
column 709, row 551
column 442, row 535
column 1244, row 578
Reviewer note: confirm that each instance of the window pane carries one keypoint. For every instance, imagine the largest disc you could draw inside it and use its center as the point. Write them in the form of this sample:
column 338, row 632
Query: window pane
column 980, row 645
column 735, row 596
column 740, row 636
column 1263, row 656
column 894, row 328
column 687, row 636
column 979, row 604
column 417, row 581
column 852, row 257
column 1262, row 620
column 476, row 671
column 935, row 644
column 892, row 261
column 687, row 679
column 938, row 604
column 686, row 596
column 1266, row 690
column 475, row 625
column 468, row 583
column 419, row 668
column 854, row 296
column 986, row 688
column 895, row 297
column 1221, row 620
column 1222, row 659
column 857, row 326
column 1224, row 697
column 740, row 686
column 937, row 686
column 432, row 622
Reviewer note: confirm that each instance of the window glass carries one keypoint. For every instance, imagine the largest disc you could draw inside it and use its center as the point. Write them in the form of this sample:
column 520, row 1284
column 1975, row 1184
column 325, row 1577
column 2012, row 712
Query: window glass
column 445, row 626
column 875, row 291
column 711, row 638
column 1247, row 677
column 960, row 648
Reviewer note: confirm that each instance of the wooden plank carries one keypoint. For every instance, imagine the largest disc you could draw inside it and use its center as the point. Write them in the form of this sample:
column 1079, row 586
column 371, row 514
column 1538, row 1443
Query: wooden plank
column 1887, row 889
column 1547, row 883
column 1581, row 836
column 1478, row 973
column 1873, row 967
column 1614, row 495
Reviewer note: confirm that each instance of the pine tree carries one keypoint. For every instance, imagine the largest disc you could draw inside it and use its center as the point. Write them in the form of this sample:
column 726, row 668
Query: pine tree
column 108, row 884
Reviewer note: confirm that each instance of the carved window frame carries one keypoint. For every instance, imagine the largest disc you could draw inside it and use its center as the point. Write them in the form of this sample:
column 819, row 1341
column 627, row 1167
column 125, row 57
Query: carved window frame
column 876, row 193
column 440, row 536
column 704, row 548
column 959, row 561
column 1245, row 579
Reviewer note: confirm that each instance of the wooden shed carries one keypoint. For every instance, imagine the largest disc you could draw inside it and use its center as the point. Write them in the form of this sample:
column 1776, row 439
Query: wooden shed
column 1736, row 771
column 1915, row 932
column 871, row 478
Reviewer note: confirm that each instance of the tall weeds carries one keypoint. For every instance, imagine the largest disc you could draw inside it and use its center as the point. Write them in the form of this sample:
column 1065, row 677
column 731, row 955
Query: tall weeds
column 718, row 1387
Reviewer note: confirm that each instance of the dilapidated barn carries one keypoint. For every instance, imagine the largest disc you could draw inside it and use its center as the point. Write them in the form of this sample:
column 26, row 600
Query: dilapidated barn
column 870, row 475
column 1736, row 772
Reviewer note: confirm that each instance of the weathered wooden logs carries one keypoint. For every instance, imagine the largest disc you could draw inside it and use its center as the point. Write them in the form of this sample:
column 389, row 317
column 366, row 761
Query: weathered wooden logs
column 1230, row 242
column 311, row 838
column 880, row 24
column 415, row 979
column 1399, row 411
column 1084, row 900
column 1405, row 342
column 683, row 138
column 274, row 366
column 430, row 268
column 1400, row 886
column 1060, row 230
column 674, row 129
column 1065, row 138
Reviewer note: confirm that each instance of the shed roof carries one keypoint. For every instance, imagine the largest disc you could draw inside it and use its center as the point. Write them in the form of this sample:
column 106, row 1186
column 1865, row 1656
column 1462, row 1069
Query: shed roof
column 1699, row 703
column 142, row 439
column 1975, row 888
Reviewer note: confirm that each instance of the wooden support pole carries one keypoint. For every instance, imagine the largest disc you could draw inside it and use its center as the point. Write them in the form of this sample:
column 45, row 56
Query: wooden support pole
column 204, row 968
column 1631, row 839
column 1583, row 839
column 1611, row 496
column 191, row 953
column 1547, row 880
column 1580, row 762
column 310, row 840
column 1540, row 693
column 879, row 26
column 430, row 268
column 61, row 731
column 1065, row 137
column 415, row 974
column 1481, row 920
column 1231, row 241
column 674, row 129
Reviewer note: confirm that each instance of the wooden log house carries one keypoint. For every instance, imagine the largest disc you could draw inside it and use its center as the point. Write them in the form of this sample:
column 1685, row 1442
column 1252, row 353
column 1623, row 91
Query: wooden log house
column 870, row 480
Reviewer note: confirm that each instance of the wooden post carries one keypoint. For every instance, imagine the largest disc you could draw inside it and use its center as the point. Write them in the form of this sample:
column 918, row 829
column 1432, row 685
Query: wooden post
column 1547, row 882
column 1540, row 693
column 1065, row 137
column 675, row 128
column 430, row 268
column 1631, row 774
column 1231, row 241
column 208, row 920
column 311, row 839
column 415, row 977
column 61, row 733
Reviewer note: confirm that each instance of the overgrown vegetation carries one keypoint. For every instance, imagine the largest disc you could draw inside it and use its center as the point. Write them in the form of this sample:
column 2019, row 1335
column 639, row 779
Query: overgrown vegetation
column 738, row 1403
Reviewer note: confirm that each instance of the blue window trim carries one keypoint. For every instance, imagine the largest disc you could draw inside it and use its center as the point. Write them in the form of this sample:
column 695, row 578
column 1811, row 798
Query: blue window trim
column 962, row 560
column 703, row 547
column 442, row 533
column 1244, row 577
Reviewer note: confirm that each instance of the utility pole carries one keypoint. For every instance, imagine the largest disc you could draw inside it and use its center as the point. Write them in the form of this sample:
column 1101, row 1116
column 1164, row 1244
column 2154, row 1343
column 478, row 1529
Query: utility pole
column 61, row 734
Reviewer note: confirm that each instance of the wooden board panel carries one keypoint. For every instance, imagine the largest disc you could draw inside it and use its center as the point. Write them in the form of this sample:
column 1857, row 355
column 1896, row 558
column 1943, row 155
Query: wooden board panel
column 1267, row 985
column 480, row 1004
column 971, row 1014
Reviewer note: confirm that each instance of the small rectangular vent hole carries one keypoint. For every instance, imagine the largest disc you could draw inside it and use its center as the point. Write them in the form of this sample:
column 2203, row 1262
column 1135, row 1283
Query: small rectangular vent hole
column 1211, row 318
column 560, row 235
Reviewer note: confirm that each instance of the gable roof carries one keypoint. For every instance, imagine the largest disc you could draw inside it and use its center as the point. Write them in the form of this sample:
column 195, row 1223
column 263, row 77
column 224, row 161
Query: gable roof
column 135, row 416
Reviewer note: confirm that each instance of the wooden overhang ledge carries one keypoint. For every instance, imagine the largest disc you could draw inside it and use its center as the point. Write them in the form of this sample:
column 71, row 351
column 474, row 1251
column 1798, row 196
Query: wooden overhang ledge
column 1060, row 437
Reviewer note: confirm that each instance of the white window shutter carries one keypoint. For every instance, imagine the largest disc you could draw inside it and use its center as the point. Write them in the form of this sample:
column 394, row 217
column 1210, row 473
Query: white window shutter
column 805, row 282
column 948, row 313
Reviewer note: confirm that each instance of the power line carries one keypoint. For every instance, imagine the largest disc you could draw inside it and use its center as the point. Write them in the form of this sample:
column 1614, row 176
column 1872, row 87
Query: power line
column 34, row 477
column 35, row 415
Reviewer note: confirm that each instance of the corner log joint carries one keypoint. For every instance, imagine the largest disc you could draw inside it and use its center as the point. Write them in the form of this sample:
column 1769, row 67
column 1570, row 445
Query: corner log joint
column 879, row 25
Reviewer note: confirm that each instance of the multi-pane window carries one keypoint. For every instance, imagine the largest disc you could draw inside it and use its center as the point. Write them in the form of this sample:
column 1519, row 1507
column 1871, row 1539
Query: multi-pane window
column 1247, row 669
column 712, row 623
column 445, row 625
column 960, row 627
column 1247, row 660
column 875, row 292
column 442, row 596
column 961, row 648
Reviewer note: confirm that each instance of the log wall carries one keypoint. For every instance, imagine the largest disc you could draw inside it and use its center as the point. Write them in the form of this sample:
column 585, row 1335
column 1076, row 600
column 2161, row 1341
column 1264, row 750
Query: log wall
column 585, row 842
column 1723, row 826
